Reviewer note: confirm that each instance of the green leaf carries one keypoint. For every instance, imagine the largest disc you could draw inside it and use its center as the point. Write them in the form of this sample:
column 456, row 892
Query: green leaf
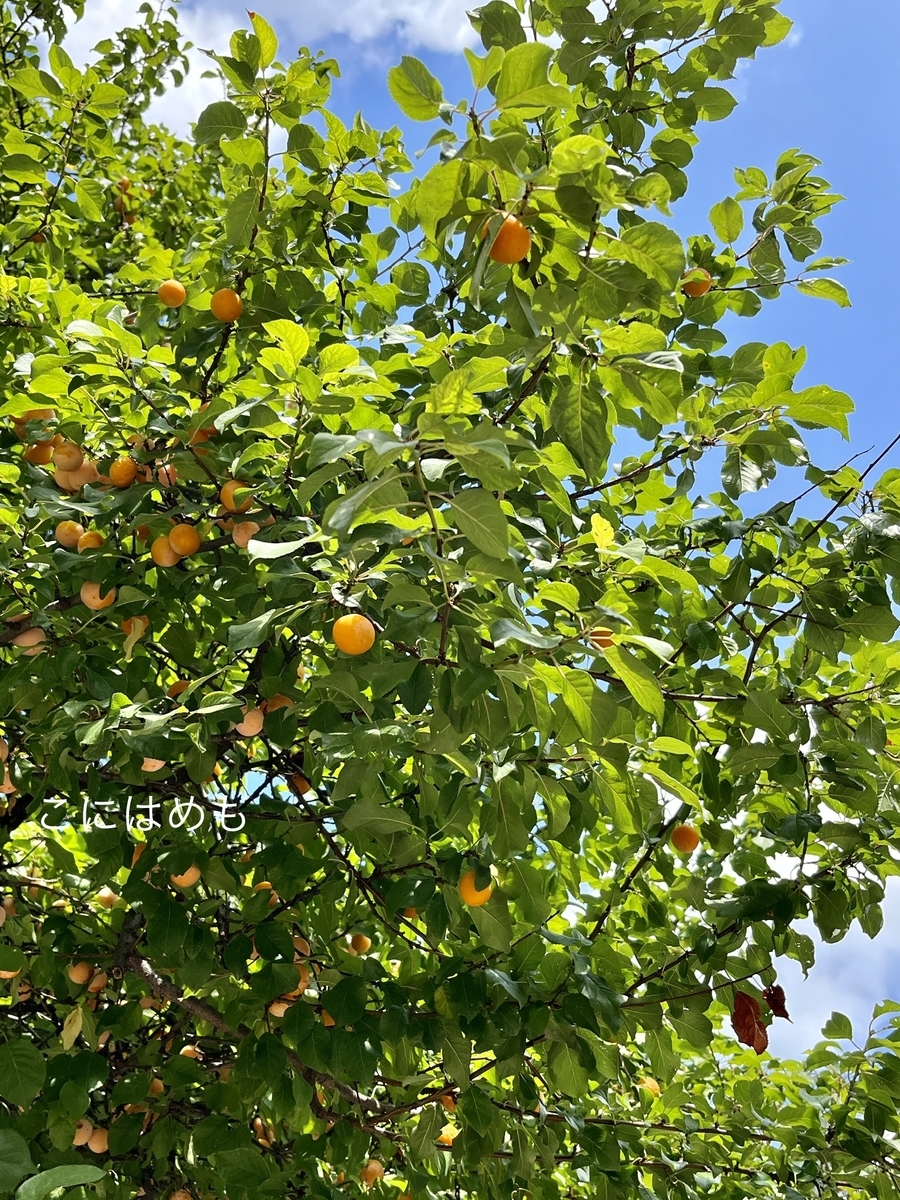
column 39, row 1187
column 346, row 1001
column 875, row 622
column 221, row 119
column 493, row 923
column 714, row 104
column 241, row 217
column 820, row 406
column 639, row 679
column 89, row 197
column 727, row 219
column 268, row 42
column 655, row 249
column 370, row 816
column 271, row 1058
column 167, row 928
column 826, row 289
column 566, row 1070
column 415, row 90
column 481, row 519
column 484, row 69
column 838, row 1027
column 580, row 416
column 15, row 1159
column 523, row 81
column 22, row 1072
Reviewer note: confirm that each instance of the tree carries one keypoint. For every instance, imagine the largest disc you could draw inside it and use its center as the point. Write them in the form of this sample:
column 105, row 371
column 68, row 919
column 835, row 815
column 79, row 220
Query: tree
column 352, row 721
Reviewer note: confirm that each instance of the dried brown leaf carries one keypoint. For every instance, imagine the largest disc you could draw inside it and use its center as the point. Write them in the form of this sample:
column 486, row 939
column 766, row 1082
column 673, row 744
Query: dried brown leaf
column 775, row 998
column 747, row 1023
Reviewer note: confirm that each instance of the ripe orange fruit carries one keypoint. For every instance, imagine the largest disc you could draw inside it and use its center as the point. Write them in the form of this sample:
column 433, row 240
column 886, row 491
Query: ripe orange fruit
column 130, row 624
column 685, row 838
column 512, row 243
column 157, row 1087
column 276, row 702
column 328, row 1020
column 601, row 638
column 30, row 641
column 83, row 1131
column 68, row 456
column 179, row 686
column 227, row 496
column 411, row 914
column 167, row 477
column 98, row 983
column 353, row 633
column 39, row 453
column 301, row 783
column 449, row 1103
column 91, row 540
column 649, row 1084
column 123, row 472
column 184, row 539
column 360, row 943
column 226, row 305
column 80, row 973
column 163, row 552
column 98, row 1141
column 190, row 1052
column 171, row 293
column 471, row 895
column 86, row 473
column 301, row 945
column 67, row 534
column 124, row 184
column 139, row 849
column 278, row 1008
column 243, row 532
column 302, row 984
column 106, row 897
column 152, row 764
column 372, row 1172
column 90, row 596
column 696, row 282
column 38, row 238
column 188, row 878
column 252, row 723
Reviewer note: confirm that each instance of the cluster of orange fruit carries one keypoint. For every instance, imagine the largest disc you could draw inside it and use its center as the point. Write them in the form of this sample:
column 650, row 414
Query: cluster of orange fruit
column 225, row 305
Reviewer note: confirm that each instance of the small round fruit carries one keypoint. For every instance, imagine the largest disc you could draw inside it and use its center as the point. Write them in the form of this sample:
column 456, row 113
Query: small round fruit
column 163, row 552
column 171, row 293
column 99, row 982
column 372, row 1172
column 140, row 622
column 179, row 686
column 360, row 943
column 4, row 755
column 167, row 477
column 685, row 839
column 449, row 1103
column 68, row 456
column 302, row 983
column 229, row 501
column 150, row 765
column 649, row 1084
column 190, row 1052
column 39, row 453
column 278, row 1008
column 327, row 1018
column 512, row 243
column 67, row 533
column 90, row 596
column 601, row 638
column 181, row 1194
column 301, row 945
column 83, row 1131
column 157, row 1087
column 30, row 641
column 226, row 305
column 184, row 539
column 353, row 633
column 301, row 783
column 86, row 473
column 98, row 1141
column 123, row 472
column 188, row 878
column 411, row 914
column 696, row 282
column 106, row 897
column 472, row 895
column 139, row 849
column 92, row 539
column 10, row 974
column 80, row 973
column 243, row 532
column 252, row 723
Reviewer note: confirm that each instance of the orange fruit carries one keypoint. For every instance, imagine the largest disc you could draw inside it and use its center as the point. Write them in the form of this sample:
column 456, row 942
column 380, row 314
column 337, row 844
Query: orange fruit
column 80, row 973
column 30, row 641
column 157, row 1087
column 327, row 1018
column 685, row 838
column 252, row 723
column 91, row 540
column 301, row 945
column 90, row 596
column 372, row 1172
column 471, row 895
column 167, row 477
column 86, row 473
column 360, row 943
column 278, row 1008
column 163, row 552
column 124, row 184
column 353, row 633
column 411, row 914
column 123, row 472
column 227, row 496
column 83, row 1131
column 67, row 534
column 696, row 282
column 512, row 243
column 184, row 539
column 98, row 1141
column 106, row 897
column 179, row 686
column 302, row 984
column 68, row 456
column 649, row 1084
column 130, row 624
column 39, row 453
column 152, row 764
column 99, row 982
column 301, row 783
column 243, row 532
column 601, row 638
column 171, row 293
column 188, row 878
column 276, row 702
column 449, row 1103
column 226, row 305
column 139, row 849
column 190, row 1052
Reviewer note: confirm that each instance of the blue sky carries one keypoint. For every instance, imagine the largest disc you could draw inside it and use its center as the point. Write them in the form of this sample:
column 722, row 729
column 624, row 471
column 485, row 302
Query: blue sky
column 828, row 90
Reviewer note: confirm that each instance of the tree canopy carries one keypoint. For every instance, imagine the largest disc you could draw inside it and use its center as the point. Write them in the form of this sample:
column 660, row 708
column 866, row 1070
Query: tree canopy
column 406, row 787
